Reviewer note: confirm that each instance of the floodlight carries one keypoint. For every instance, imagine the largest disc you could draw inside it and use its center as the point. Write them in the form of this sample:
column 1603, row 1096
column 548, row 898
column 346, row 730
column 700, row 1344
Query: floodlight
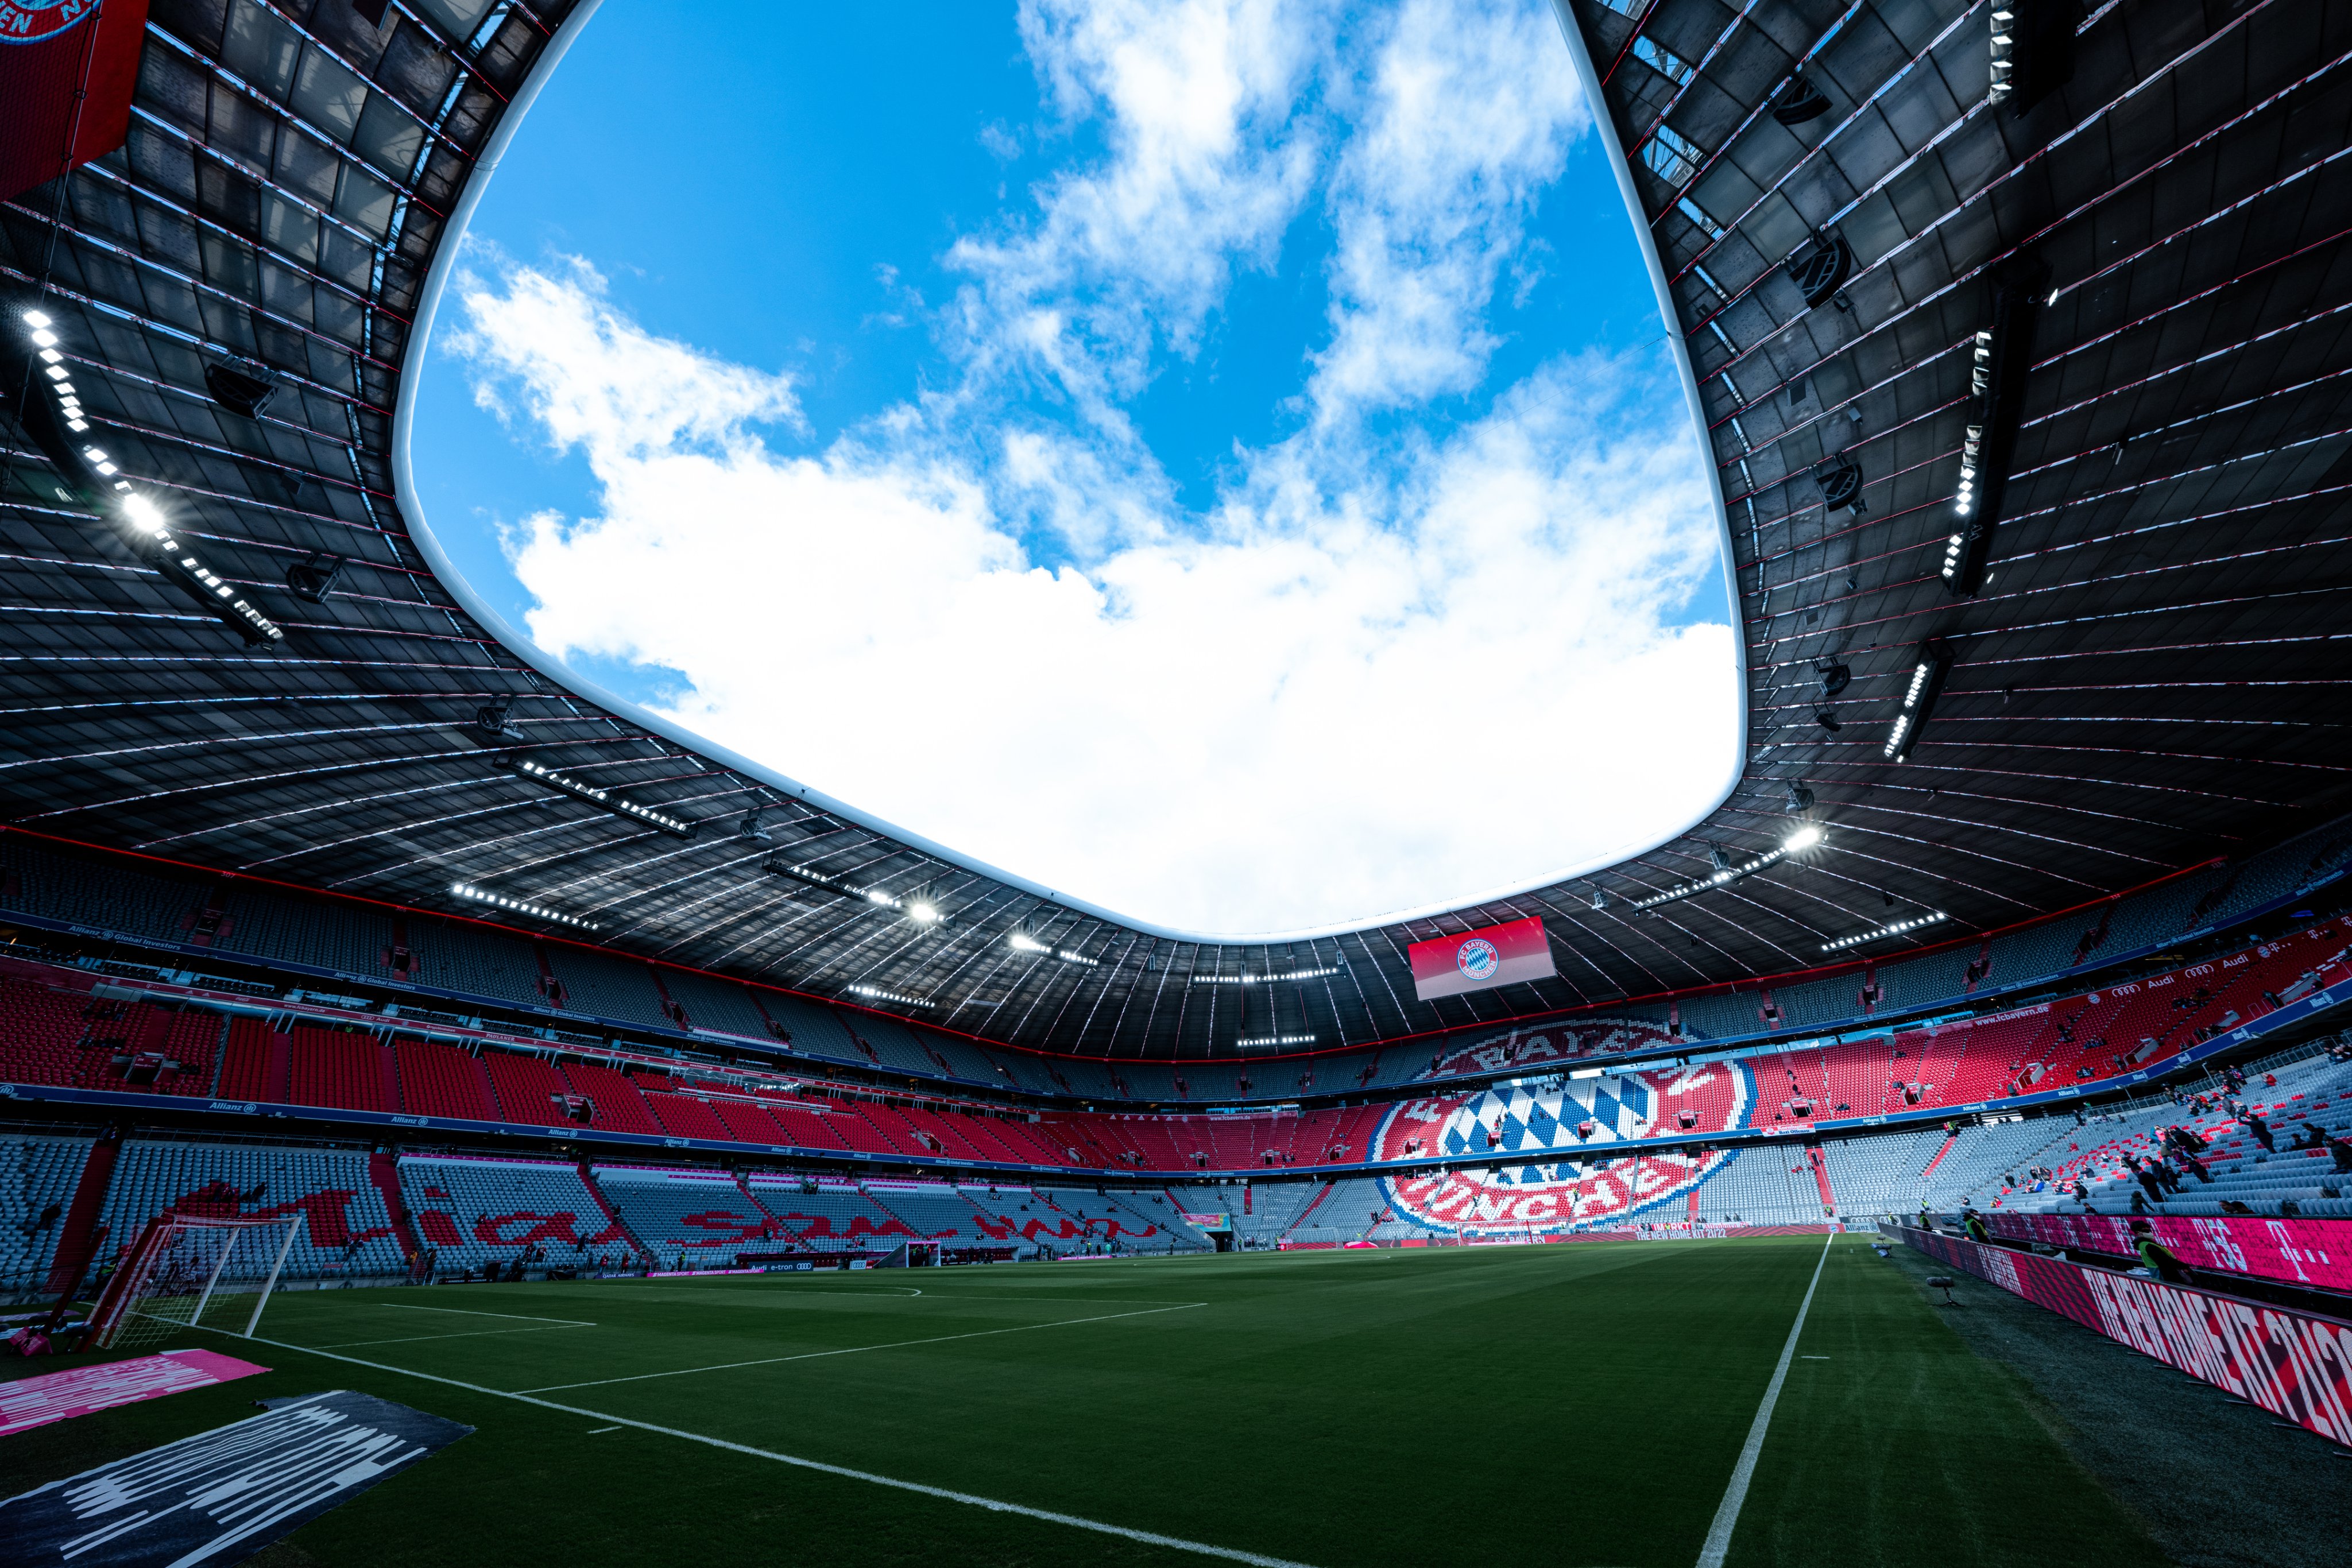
column 581, row 789
column 1929, row 667
column 1803, row 838
column 922, row 914
column 467, row 889
column 36, row 319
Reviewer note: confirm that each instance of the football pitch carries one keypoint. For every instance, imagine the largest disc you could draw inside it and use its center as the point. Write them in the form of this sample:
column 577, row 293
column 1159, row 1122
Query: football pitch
column 1572, row 1405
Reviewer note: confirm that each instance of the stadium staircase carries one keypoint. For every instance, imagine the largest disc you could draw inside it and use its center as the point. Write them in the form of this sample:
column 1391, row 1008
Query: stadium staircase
column 82, row 1235
column 1313, row 1204
column 614, row 1224
column 384, row 1170
column 775, row 1225
column 1938, row 1158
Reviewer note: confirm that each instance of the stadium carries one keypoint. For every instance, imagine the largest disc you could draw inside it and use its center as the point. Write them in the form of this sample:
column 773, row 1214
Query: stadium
column 456, row 1113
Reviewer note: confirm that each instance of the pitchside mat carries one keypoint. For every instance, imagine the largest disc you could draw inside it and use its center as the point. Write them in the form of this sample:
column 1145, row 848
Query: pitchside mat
column 59, row 1395
column 220, row 1495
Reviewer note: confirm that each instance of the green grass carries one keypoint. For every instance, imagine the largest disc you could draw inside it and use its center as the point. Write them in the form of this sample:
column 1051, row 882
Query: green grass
column 1558, row 1404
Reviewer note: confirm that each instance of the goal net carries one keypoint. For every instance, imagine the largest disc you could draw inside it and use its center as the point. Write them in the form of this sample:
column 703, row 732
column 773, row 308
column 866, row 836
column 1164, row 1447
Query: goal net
column 910, row 1255
column 186, row 1271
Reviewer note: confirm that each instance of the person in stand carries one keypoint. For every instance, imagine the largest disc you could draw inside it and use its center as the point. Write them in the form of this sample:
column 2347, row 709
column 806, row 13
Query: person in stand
column 2193, row 1165
column 2159, row 1259
column 1973, row 1223
column 2261, row 1129
column 2340, row 1152
column 2153, row 1185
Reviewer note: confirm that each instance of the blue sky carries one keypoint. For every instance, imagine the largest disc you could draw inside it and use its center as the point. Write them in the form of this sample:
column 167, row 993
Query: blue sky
column 1218, row 459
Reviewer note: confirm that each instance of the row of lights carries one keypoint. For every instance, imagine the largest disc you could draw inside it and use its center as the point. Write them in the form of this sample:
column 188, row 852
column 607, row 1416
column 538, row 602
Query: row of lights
column 519, row 906
column 1932, row 918
column 1022, row 942
column 1275, row 1040
column 1265, row 980
column 176, row 559
column 1918, row 698
column 880, row 995
column 2005, row 39
column 923, row 912
column 1798, row 842
column 580, row 788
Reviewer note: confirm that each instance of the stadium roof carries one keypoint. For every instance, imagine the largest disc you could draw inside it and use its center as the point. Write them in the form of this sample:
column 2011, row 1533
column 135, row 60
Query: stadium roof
column 2148, row 677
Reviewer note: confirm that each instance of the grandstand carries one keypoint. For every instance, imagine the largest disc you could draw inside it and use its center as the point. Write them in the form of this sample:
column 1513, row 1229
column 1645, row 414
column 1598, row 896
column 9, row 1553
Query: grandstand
column 2023, row 932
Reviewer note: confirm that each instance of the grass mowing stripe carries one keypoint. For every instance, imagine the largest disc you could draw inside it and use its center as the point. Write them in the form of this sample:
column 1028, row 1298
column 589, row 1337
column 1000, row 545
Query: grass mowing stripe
column 993, row 1505
column 857, row 1349
column 1718, row 1534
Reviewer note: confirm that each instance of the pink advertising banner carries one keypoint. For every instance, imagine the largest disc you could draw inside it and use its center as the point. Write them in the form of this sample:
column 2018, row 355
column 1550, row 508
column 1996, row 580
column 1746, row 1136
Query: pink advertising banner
column 1480, row 960
column 2296, row 1365
column 78, row 1391
column 2300, row 1251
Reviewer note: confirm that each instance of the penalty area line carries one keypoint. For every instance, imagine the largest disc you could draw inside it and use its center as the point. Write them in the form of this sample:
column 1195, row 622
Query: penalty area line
column 1719, row 1535
column 857, row 1349
column 993, row 1505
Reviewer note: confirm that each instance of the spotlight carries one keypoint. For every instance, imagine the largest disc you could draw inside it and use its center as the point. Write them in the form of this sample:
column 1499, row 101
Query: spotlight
column 750, row 828
column 1828, row 720
column 313, row 577
column 1835, row 677
column 491, row 723
column 243, row 387
column 923, row 913
column 1799, row 800
column 1820, row 267
column 1801, row 841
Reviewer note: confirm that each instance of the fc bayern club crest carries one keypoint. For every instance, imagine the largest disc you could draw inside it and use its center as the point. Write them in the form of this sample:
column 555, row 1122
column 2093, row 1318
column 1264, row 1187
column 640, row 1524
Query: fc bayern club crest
column 25, row 22
column 1565, row 1156
column 1476, row 959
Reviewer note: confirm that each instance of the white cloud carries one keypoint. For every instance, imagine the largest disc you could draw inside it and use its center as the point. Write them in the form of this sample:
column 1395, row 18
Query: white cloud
column 1467, row 115
column 1379, row 673
column 1320, row 707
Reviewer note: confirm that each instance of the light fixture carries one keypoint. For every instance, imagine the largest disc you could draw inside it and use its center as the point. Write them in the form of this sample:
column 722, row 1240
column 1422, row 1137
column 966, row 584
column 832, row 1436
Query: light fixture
column 923, row 913
column 1928, row 669
column 491, row 723
column 2031, row 47
column 1999, row 356
column 581, row 789
column 1249, row 979
column 95, row 478
column 880, row 995
column 1265, row 1040
column 467, row 889
column 1022, row 942
column 1725, row 873
column 1932, row 918
column 1799, row 799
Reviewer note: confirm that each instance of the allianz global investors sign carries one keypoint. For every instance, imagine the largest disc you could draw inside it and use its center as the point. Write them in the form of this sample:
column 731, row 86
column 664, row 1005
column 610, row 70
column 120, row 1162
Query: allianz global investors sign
column 1481, row 960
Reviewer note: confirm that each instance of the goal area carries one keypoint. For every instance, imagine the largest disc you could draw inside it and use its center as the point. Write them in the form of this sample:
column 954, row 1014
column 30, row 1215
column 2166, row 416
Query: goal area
column 910, row 1255
column 184, row 1272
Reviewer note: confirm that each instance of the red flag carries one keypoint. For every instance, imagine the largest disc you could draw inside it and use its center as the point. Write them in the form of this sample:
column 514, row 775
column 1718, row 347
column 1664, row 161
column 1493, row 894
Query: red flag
column 67, row 68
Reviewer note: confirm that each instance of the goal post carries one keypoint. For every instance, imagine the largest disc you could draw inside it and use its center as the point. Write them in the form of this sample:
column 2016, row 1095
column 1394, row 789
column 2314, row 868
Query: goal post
column 190, row 1272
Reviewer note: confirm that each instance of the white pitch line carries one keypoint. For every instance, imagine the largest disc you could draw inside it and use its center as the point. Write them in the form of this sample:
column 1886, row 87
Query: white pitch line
column 465, row 1333
column 1719, row 1535
column 470, row 1313
column 1146, row 1537
column 857, row 1349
